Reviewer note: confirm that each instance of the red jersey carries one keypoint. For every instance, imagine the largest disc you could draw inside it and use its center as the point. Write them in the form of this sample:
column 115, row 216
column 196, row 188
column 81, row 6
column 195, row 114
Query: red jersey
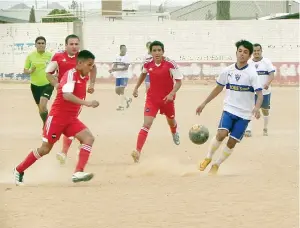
column 71, row 82
column 162, row 77
column 64, row 62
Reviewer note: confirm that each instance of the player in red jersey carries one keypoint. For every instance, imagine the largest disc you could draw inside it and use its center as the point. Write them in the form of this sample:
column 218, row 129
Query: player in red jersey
column 63, row 119
column 62, row 62
column 165, row 81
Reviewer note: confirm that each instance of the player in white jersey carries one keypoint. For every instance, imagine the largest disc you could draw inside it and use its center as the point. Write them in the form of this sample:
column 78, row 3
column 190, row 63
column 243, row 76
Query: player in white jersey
column 120, row 70
column 241, row 82
column 265, row 71
column 146, row 58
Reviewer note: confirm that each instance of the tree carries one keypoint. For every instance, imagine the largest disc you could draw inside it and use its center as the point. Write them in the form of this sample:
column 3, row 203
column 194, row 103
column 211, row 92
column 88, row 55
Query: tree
column 223, row 10
column 32, row 15
column 65, row 17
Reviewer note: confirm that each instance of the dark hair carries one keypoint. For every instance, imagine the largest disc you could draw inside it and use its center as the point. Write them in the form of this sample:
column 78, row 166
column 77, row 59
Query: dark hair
column 257, row 45
column 72, row 36
column 40, row 38
column 157, row 43
column 85, row 55
column 122, row 45
column 246, row 44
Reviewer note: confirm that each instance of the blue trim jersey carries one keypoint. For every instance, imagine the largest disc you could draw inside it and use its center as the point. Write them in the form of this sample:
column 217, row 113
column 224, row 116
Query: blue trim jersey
column 241, row 85
column 264, row 68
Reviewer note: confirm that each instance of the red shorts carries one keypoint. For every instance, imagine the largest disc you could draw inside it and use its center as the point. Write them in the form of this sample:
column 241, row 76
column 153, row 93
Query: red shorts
column 56, row 126
column 152, row 108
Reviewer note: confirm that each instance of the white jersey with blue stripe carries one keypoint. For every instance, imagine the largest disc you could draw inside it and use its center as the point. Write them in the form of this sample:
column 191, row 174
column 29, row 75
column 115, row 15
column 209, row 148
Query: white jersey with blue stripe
column 241, row 85
column 263, row 68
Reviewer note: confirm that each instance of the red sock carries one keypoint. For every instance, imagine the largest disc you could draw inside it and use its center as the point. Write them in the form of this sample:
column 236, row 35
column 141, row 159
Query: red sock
column 29, row 160
column 84, row 154
column 66, row 144
column 142, row 138
column 173, row 128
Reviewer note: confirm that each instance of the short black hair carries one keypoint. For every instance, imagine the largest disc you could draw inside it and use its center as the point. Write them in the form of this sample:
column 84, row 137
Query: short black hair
column 40, row 38
column 257, row 45
column 122, row 45
column 157, row 43
column 85, row 55
column 72, row 36
column 246, row 44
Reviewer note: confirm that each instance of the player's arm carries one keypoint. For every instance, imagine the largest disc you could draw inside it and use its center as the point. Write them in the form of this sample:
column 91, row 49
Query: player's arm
column 271, row 71
column 124, row 67
column 50, row 70
column 255, row 83
column 93, row 76
column 178, row 76
column 27, row 67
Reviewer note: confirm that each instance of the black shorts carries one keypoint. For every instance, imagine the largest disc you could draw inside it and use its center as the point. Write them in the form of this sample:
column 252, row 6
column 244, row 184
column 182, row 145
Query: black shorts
column 41, row 91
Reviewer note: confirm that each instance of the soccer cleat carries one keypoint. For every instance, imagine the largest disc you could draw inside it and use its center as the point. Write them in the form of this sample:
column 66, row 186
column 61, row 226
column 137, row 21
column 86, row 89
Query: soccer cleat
column 61, row 157
column 248, row 133
column 265, row 132
column 136, row 156
column 176, row 138
column 18, row 177
column 204, row 164
column 128, row 101
column 82, row 176
column 120, row 108
column 214, row 169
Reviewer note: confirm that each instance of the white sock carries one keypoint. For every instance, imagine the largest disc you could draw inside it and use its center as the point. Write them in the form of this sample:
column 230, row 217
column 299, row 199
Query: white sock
column 249, row 128
column 214, row 145
column 225, row 154
column 266, row 122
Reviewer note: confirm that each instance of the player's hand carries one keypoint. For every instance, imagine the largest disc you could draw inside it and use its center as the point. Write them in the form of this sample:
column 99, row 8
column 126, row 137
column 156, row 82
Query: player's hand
column 256, row 113
column 135, row 93
column 169, row 97
column 93, row 104
column 266, row 86
column 32, row 69
column 200, row 109
column 91, row 89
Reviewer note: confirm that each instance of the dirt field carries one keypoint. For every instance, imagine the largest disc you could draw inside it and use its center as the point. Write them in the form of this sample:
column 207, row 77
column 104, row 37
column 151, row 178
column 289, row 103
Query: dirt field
column 256, row 187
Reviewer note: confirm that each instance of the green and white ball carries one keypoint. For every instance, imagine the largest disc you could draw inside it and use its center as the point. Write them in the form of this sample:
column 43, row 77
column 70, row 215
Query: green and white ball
column 198, row 134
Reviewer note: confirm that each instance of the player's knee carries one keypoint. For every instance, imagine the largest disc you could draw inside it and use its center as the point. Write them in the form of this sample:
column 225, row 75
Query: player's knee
column 88, row 139
column 42, row 108
column 117, row 90
column 265, row 112
column 44, row 149
column 231, row 143
column 221, row 135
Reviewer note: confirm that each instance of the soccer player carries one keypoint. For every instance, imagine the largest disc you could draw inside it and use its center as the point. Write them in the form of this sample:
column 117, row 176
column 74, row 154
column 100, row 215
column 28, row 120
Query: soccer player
column 241, row 82
column 147, row 57
column 63, row 119
column 265, row 71
column 62, row 62
column 165, row 79
column 120, row 70
column 35, row 66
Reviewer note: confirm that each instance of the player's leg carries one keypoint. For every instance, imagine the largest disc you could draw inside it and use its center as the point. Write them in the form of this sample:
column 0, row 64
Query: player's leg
column 118, row 88
column 150, row 112
column 265, row 108
column 77, row 129
column 45, row 97
column 169, row 111
column 124, row 99
column 36, row 93
column 51, row 134
column 147, row 82
column 225, row 126
column 236, row 135
column 62, row 155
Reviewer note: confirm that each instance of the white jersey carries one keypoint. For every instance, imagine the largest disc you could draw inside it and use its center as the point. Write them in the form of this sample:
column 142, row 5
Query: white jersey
column 120, row 62
column 263, row 68
column 147, row 57
column 241, row 85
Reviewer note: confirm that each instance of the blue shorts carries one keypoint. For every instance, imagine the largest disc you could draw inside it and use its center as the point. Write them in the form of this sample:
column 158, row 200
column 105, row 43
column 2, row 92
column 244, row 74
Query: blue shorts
column 121, row 82
column 266, row 101
column 235, row 125
column 147, row 80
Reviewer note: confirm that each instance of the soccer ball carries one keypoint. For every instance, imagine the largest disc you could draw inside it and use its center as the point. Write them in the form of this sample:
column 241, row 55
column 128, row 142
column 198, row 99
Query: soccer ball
column 198, row 134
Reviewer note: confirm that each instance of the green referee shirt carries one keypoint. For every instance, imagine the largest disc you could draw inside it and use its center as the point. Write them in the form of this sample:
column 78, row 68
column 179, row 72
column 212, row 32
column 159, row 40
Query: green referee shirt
column 40, row 61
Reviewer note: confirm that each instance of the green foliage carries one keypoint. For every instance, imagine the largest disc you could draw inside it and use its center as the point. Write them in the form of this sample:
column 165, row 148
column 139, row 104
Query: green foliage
column 223, row 10
column 59, row 18
column 32, row 15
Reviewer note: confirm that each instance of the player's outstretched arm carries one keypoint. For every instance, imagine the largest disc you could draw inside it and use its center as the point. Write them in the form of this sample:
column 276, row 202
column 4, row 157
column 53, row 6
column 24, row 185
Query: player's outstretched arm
column 258, row 104
column 93, row 76
column 141, row 79
column 72, row 98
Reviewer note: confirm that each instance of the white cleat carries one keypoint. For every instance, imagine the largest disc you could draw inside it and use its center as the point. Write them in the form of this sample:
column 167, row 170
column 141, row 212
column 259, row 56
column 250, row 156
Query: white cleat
column 265, row 132
column 176, row 138
column 82, row 176
column 61, row 157
column 18, row 177
column 248, row 133
column 135, row 156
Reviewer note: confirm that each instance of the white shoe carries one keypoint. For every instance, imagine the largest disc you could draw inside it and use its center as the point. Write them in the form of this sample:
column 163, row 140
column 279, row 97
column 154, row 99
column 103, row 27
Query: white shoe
column 176, row 138
column 135, row 156
column 82, row 176
column 18, row 177
column 61, row 157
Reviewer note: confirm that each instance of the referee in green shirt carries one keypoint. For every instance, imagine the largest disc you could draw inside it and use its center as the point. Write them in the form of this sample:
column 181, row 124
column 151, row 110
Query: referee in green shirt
column 35, row 66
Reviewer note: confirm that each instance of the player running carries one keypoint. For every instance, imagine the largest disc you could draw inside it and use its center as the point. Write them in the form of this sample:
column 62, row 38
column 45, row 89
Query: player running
column 120, row 70
column 35, row 66
column 265, row 71
column 147, row 57
column 241, row 82
column 62, row 62
column 161, row 94
column 63, row 119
